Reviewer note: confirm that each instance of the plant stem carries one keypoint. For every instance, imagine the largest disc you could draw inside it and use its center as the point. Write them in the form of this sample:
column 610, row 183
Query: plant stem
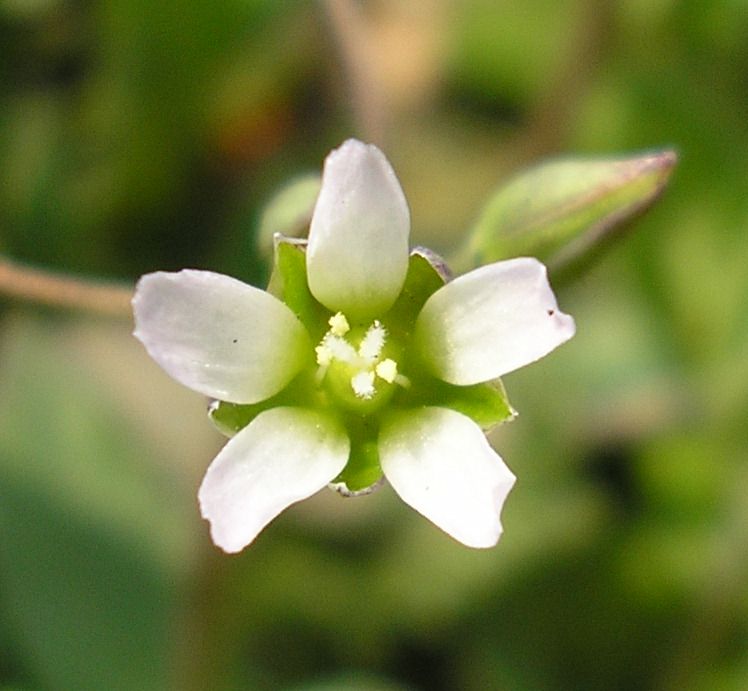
column 53, row 289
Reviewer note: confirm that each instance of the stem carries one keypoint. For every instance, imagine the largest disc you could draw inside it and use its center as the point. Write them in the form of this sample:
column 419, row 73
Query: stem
column 352, row 40
column 58, row 290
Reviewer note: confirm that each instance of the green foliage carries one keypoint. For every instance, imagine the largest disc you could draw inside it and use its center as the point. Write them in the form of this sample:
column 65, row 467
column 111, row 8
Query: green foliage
column 91, row 557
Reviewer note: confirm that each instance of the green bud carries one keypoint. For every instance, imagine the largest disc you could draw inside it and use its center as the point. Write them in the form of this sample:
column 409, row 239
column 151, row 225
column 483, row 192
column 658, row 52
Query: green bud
column 288, row 212
column 562, row 210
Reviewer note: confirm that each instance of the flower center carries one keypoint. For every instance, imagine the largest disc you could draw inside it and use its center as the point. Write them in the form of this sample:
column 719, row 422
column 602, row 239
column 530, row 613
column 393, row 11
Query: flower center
column 354, row 366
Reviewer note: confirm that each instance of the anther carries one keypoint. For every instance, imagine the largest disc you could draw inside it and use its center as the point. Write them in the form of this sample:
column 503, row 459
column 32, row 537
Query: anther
column 387, row 370
column 339, row 325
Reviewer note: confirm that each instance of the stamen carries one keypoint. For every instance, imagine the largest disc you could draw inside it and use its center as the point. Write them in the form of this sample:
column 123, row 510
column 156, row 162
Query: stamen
column 402, row 380
column 363, row 384
column 339, row 325
column 387, row 370
column 319, row 375
column 373, row 342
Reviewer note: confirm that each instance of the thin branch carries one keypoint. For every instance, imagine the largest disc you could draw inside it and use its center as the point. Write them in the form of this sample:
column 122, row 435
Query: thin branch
column 58, row 290
column 367, row 99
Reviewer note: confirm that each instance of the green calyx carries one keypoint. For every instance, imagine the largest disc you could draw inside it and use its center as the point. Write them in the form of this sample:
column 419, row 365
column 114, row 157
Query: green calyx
column 362, row 470
column 360, row 371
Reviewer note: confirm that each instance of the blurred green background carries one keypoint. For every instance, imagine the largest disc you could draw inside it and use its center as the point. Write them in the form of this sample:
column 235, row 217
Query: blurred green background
column 137, row 136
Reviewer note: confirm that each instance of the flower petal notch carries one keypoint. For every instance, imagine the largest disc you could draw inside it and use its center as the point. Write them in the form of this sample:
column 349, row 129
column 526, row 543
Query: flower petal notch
column 441, row 464
column 264, row 469
column 357, row 256
column 490, row 322
column 217, row 335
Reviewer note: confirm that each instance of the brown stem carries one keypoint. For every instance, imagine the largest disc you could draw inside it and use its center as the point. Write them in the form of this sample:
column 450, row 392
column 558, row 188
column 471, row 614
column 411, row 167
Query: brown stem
column 58, row 290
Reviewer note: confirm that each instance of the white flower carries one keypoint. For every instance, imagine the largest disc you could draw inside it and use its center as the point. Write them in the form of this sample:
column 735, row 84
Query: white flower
column 358, row 384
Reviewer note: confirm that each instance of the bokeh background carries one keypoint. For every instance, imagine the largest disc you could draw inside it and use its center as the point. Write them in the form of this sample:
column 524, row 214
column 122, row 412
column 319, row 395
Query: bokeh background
column 140, row 135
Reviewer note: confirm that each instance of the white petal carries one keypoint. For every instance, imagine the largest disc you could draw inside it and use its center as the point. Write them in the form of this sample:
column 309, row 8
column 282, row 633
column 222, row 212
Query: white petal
column 357, row 255
column 441, row 464
column 219, row 336
column 491, row 321
column 284, row 455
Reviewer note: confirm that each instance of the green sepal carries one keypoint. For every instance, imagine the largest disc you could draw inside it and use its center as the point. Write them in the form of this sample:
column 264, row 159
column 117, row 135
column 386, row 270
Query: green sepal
column 229, row 418
column 561, row 211
column 362, row 470
column 288, row 283
column 426, row 274
column 486, row 404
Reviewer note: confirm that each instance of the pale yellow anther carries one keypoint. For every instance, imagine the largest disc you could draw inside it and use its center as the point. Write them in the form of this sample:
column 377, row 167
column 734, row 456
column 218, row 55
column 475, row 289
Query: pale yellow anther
column 387, row 370
column 339, row 325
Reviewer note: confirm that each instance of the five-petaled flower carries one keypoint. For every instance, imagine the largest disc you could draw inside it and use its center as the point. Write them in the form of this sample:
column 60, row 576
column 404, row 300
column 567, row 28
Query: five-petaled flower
column 359, row 361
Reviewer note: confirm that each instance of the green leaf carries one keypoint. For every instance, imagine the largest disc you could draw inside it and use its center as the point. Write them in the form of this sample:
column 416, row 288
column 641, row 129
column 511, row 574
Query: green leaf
column 562, row 210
